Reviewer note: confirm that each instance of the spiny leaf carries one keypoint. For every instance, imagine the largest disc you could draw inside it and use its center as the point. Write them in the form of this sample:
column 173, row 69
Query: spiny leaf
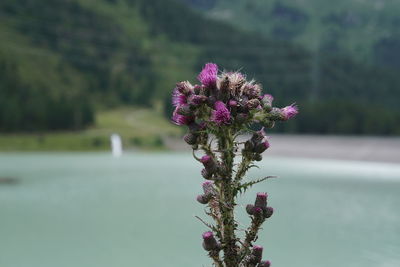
column 242, row 188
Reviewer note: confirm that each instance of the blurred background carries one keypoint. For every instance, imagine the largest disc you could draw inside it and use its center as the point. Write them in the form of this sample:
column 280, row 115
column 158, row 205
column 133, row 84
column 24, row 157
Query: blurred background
column 75, row 72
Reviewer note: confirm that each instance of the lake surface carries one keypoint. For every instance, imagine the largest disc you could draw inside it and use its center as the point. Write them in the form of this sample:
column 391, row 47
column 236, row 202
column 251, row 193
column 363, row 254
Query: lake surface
column 92, row 210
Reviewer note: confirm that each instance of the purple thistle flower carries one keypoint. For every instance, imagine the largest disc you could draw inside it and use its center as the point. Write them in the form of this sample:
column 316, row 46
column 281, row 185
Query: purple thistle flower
column 208, row 76
column 205, row 159
column 261, row 200
column 209, row 241
column 180, row 119
column 289, row 111
column 209, row 163
column 178, row 98
column 220, row 114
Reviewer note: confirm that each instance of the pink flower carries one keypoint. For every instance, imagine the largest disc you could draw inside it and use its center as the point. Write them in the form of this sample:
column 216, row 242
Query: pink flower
column 178, row 98
column 180, row 119
column 209, row 241
column 220, row 114
column 289, row 111
column 208, row 76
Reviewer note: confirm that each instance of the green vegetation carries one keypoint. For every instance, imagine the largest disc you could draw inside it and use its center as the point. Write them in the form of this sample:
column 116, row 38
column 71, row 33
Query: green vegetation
column 63, row 62
column 139, row 128
column 361, row 28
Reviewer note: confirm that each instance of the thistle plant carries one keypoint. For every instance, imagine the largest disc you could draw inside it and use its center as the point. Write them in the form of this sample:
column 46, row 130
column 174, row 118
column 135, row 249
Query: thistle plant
column 220, row 114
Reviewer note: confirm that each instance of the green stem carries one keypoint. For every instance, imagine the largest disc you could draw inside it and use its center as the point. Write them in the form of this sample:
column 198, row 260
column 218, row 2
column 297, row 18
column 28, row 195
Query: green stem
column 227, row 202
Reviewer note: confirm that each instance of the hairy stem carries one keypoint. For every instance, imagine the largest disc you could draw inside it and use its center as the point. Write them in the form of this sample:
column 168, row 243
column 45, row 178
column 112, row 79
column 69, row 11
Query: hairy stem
column 227, row 202
column 251, row 235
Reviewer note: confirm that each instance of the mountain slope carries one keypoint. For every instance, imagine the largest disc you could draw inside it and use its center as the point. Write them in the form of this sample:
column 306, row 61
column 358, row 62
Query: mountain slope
column 366, row 29
column 63, row 61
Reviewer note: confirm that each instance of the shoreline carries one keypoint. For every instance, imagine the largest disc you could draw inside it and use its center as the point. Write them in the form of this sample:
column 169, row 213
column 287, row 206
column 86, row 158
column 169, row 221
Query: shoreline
column 360, row 148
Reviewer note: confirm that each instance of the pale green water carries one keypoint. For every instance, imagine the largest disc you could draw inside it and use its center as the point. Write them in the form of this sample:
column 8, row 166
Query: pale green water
column 90, row 210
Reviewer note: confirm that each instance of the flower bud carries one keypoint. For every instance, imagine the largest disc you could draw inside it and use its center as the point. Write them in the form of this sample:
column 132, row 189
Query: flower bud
column 264, row 264
column 268, row 212
column 190, row 138
column 209, row 241
column 209, row 163
column 202, row 199
column 261, row 200
column 257, row 157
column 250, row 209
column 289, row 112
column 261, row 147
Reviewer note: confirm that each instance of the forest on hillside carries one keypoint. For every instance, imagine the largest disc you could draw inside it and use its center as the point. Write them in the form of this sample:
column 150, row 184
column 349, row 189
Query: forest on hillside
column 62, row 61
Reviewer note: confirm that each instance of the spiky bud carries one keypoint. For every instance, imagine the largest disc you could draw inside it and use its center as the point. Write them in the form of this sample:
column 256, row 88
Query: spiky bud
column 250, row 209
column 268, row 212
column 209, row 241
column 202, row 199
column 261, row 147
column 209, row 163
column 261, row 200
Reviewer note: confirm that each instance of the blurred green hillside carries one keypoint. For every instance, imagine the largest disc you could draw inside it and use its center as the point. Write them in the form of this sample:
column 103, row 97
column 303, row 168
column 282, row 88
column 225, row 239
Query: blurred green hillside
column 64, row 62
column 366, row 29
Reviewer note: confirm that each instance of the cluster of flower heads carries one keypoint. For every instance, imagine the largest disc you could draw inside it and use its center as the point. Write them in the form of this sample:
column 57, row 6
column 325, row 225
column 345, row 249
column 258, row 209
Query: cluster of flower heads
column 225, row 98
